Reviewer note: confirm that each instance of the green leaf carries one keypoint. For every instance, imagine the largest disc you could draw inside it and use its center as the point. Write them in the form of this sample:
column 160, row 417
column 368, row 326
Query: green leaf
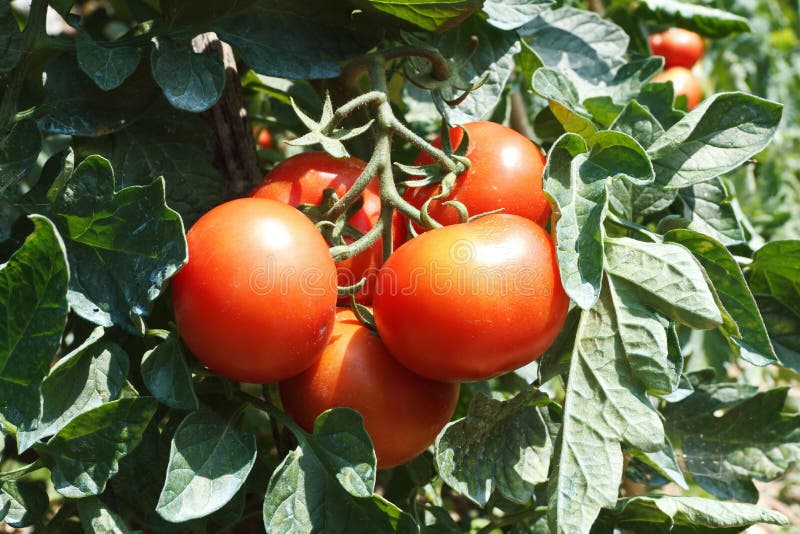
column 209, row 461
column 25, row 503
column 122, row 246
column 10, row 38
column 581, row 196
column 617, row 155
column 572, row 122
column 722, row 451
column 659, row 98
column 644, row 339
column 664, row 462
column 694, row 512
column 502, row 445
column 707, row 21
column 709, row 208
column 748, row 334
column 511, row 14
column 91, row 375
column 97, row 517
column 18, row 152
column 33, row 313
column 670, row 278
column 87, row 451
column 776, row 271
column 584, row 58
column 716, row 137
column 784, row 331
column 604, row 405
column 166, row 375
column 327, row 482
column 637, row 121
column 430, row 15
column 175, row 145
column 74, row 105
column 107, row 65
column 490, row 65
column 285, row 45
column 190, row 81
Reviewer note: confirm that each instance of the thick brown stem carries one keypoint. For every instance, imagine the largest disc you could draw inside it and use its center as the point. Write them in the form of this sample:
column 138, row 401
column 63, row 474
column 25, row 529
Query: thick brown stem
column 235, row 147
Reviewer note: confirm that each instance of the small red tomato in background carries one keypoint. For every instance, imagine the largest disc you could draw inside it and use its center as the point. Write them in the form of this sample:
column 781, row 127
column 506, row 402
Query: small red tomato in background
column 403, row 412
column 684, row 82
column 506, row 172
column 256, row 301
column 471, row 301
column 679, row 47
column 263, row 138
column 301, row 179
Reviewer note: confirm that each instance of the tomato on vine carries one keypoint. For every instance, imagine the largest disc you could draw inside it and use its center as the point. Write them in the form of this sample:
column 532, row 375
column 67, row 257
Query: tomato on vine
column 257, row 299
column 684, row 83
column 302, row 179
column 403, row 412
column 263, row 138
column 505, row 173
column 470, row 301
column 679, row 47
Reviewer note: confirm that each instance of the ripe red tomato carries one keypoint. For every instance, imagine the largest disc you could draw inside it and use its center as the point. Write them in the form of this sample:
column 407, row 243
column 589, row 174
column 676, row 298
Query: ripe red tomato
column 680, row 48
column 301, row 179
column 263, row 137
column 470, row 301
column 506, row 173
column 256, row 302
column 403, row 412
column 684, row 83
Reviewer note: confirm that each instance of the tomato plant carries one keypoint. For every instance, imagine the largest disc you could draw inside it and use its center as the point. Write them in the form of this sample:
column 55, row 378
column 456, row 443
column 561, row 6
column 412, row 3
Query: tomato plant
column 679, row 47
column 256, row 301
column 505, row 173
column 450, row 303
column 263, row 138
column 403, row 412
column 612, row 331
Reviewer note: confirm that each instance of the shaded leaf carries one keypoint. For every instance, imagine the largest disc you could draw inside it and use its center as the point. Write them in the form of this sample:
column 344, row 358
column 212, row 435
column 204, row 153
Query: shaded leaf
column 190, row 81
column 776, row 271
column 209, row 461
column 502, row 445
column 97, row 517
column 10, row 38
column 695, row 512
column 92, row 374
column 25, row 503
column 709, row 208
column 18, row 152
column 108, row 66
column 167, row 376
column 702, row 19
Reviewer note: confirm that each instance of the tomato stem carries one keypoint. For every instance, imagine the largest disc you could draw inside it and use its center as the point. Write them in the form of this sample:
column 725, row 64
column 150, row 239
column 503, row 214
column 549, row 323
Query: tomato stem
column 22, row 471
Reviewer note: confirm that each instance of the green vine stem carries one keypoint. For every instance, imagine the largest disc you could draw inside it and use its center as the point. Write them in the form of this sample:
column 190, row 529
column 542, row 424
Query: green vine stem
column 342, row 252
column 35, row 26
column 16, row 474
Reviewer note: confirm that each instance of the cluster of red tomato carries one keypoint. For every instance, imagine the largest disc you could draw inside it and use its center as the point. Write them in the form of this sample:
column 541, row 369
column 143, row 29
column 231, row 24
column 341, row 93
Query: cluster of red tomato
column 256, row 301
column 681, row 49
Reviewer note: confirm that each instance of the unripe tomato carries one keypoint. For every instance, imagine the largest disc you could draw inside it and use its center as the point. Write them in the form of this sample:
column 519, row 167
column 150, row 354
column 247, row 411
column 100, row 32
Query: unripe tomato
column 684, row 83
column 301, row 179
column 263, row 137
column 506, row 172
column 470, row 301
column 256, row 302
column 679, row 47
column 403, row 412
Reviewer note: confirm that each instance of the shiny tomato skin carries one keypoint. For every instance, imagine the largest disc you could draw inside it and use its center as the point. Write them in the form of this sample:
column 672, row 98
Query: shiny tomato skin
column 679, row 47
column 256, row 301
column 301, row 179
column 505, row 172
column 471, row 301
column 684, row 82
column 403, row 412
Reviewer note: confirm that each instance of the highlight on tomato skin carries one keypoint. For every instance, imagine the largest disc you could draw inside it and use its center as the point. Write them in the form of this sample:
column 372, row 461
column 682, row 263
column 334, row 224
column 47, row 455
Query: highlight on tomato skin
column 684, row 83
column 470, row 301
column 679, row 47
column 505, row 173
column 256, row 301
column 403, row 412
column 302, row 179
